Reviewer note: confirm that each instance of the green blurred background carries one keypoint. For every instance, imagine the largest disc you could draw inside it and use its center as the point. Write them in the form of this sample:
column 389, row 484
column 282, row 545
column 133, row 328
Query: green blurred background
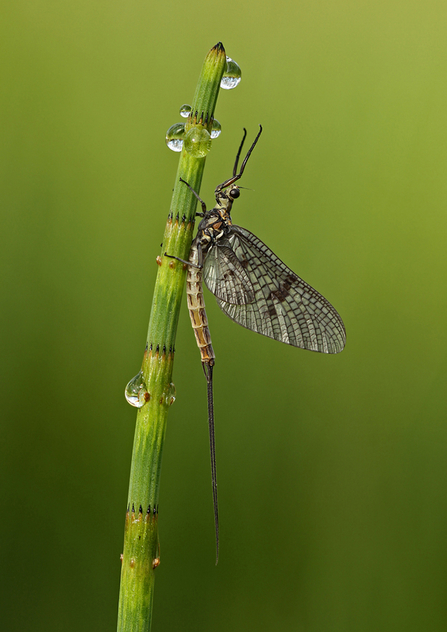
column 332, row 469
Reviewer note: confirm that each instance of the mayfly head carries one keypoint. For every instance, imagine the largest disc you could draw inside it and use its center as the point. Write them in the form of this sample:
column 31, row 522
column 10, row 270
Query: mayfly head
column 226, row 197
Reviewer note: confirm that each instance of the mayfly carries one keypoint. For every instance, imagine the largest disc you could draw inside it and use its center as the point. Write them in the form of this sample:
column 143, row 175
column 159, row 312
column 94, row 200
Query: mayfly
column 254, row 288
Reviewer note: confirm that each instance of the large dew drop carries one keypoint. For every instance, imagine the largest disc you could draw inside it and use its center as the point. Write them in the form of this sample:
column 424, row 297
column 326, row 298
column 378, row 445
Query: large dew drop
column 198, row 142
column 175, row 136
column 136, row 391
column 232, row 75
column 185, row 110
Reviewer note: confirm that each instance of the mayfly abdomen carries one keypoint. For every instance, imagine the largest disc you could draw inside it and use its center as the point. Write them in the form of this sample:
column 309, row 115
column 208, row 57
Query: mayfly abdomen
column 196, row 307
column 199, row 321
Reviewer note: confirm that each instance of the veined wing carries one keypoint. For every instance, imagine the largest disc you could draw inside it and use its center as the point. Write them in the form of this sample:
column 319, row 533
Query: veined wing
column 225, row 276
column 285, row 307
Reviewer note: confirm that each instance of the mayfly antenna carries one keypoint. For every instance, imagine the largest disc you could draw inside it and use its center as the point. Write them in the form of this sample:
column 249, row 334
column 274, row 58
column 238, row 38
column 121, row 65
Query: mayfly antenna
column 238, row 155
column 237, row 176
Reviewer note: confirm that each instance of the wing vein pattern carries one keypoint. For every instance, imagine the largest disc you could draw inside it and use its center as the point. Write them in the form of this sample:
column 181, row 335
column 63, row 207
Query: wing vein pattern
column 269, row 297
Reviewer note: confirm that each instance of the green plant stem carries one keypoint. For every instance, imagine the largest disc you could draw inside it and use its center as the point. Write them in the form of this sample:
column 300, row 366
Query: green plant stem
column 141, row 549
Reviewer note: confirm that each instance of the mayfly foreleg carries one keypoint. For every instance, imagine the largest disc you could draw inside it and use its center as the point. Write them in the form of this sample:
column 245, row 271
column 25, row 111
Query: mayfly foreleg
column 202, row 214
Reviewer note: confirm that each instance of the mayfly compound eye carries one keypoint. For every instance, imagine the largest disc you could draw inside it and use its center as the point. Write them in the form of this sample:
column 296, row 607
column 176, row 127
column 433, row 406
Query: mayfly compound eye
column 235, row 193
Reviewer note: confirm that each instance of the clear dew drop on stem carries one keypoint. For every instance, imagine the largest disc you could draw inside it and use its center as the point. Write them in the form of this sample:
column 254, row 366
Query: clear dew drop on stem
column 170, row 394
column 216, row 129
column 185, row 110
column 175, row 136
column 136, row 392
column 198, row 142
column 232, row 75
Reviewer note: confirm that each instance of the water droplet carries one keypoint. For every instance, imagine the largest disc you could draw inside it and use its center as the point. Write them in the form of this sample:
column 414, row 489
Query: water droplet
column 175, row 136
column 170, row 394
column 232, row 75
column 185, row 110
column 136, row 391
column 216, row 129
column 198, row 142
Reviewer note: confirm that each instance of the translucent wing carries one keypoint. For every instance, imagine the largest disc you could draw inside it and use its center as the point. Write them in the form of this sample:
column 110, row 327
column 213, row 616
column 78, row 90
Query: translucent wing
column 225, row 276
column 285, row 307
